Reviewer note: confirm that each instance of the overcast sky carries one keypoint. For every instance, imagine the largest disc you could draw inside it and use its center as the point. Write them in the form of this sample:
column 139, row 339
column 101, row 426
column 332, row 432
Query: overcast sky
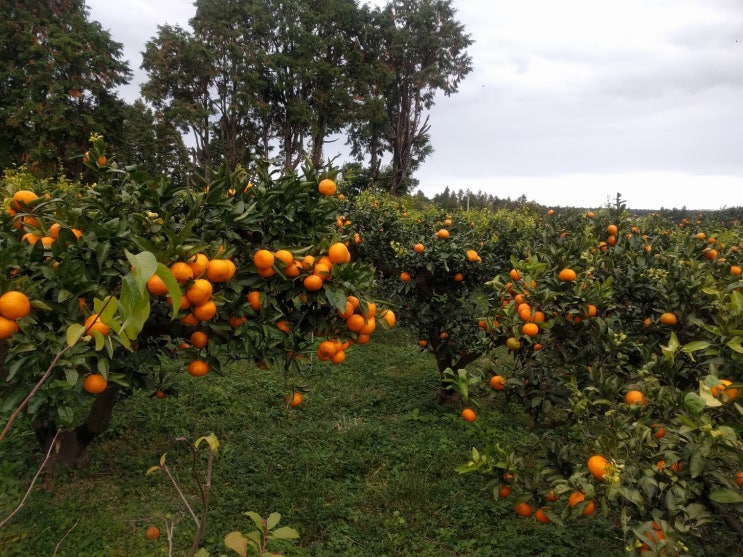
column 569, row 102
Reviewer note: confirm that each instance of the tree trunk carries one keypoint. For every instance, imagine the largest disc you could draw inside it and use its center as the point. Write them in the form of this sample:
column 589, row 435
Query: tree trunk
column 71, row 445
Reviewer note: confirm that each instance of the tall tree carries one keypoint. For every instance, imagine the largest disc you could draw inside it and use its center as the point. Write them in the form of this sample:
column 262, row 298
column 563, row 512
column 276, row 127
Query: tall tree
column 58, row 71
column 425, row 50
column 179, row 86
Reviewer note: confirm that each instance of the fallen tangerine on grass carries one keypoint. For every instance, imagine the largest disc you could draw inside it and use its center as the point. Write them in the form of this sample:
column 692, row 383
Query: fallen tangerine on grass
column 152, row 533
column 293, row 399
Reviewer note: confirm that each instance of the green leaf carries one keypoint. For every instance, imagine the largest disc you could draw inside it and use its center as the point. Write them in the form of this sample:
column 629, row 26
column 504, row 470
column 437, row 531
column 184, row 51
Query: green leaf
column 272, row 520
column 694, row 346
column 144, row 265
column 285, row 533
column 697, row 462
column 74, row 332
column 735, row 344
column 174, row 289
column 151, row 469
column 237, row 543
column 257, row 520
column 694, row 403
column 72, row 376
column 211, row 440
column 726, row 496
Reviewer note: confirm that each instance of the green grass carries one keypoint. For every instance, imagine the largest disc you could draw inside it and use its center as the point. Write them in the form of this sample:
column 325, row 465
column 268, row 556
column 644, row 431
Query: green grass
column 364, row 467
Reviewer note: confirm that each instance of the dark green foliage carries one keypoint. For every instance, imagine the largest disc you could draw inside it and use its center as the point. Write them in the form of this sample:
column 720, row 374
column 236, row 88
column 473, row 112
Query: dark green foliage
column 58, row 71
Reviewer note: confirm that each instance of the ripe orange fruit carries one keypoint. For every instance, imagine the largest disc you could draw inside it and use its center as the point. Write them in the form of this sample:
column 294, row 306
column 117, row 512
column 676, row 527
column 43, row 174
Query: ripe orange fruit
column 722, row 391
column 422, row 343
column 443, row 234
column 339, row 357
column 668, row 318
column 220, row 270
column 30, row 237
column 198, row 368
column 313, row 283
column 498, row 383
column 236, row 320
column 199, row 292
column 22, row 199
column 523, row 509
column 293, row 399
column 93, row 323
column 469, row 415
column 542, row 517
column 472, row 256
column 612, row 229
column 736, row 270
column 95, row 383
column 590, row 507
column 152, row 533
column 283, row 326
column 326, row 187
column 635, row 398
column 156, row 286
column 530, row 329
column 181, row 271
column 659, row 432
column 504, row 491
column 362, row 339
column 405, row 276
column 254, row 300
column 459, row 277
column 389, row 316
column 591, row 310
column 419, row 248
column 598, row 466
column 551, row 496
column 326, row 350
column 739, row 479
column 198, row 264
column 567, row 275
column 355, row 323
column 8, row 327
column 285, row 256
column 263, row 259
column 199, row 339
column 338, row 253
column 14, row 305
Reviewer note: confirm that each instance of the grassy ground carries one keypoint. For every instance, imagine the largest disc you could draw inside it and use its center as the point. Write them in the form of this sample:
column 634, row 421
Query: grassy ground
column 364, row 467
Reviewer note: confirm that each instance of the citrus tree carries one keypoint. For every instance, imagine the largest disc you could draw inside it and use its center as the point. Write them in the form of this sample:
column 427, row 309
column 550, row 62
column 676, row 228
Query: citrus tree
column 133, row 283
column 433, row 267
column 624, row 346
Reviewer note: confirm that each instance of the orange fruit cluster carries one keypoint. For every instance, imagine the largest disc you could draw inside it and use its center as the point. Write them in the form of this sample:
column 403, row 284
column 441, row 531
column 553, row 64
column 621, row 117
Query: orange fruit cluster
column 14, row 305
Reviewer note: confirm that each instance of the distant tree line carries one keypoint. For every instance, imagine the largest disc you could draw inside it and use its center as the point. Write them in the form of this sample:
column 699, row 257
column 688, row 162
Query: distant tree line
column 250, row 79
